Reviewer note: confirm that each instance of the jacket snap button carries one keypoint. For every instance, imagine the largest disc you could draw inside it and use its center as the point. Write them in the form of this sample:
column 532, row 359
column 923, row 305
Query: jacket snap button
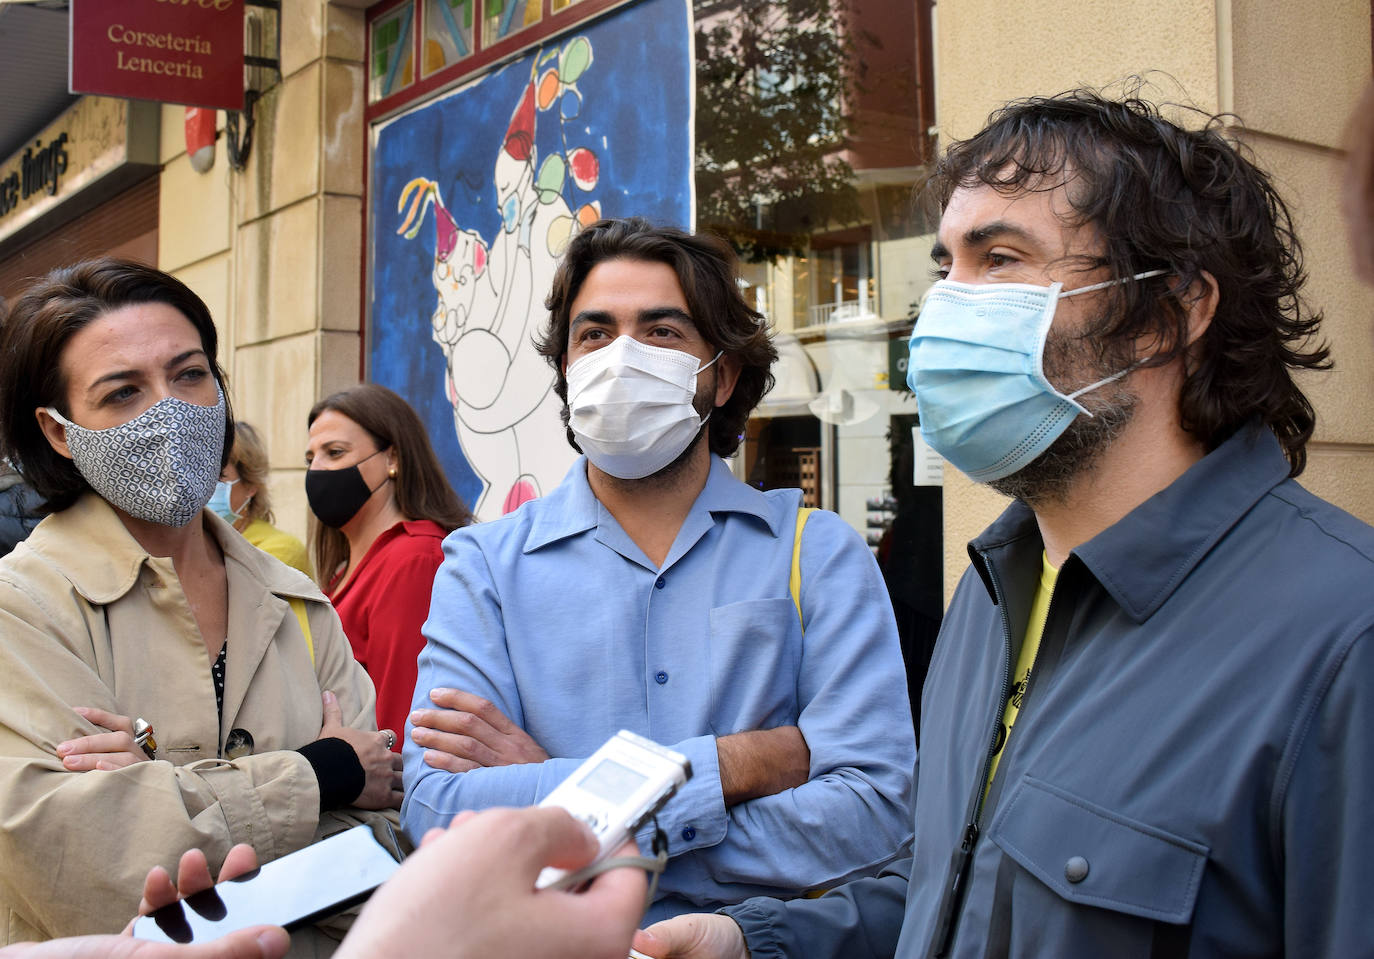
column 1076, row 869
column 238, row 743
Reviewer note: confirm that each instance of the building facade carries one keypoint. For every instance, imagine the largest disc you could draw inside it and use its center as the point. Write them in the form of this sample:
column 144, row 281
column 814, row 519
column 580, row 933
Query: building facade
column 798, row 128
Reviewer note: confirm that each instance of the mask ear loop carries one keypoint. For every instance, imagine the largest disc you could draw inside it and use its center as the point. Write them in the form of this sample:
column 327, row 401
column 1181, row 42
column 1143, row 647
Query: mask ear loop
column 654, row 865
column 1056, row 295
column 704, row 420
column 718, row 355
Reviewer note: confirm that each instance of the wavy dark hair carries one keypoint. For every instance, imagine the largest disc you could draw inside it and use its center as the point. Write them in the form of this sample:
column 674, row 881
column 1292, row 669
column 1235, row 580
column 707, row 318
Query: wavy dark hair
column 1189, row 201
column 35, row 332
column 422, row 489
column 708, row 272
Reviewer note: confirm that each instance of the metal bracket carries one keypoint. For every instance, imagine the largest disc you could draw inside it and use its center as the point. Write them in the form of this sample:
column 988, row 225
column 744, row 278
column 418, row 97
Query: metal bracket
column 262, row 72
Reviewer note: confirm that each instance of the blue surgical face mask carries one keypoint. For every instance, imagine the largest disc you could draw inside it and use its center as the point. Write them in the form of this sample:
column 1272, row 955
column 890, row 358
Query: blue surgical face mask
column 219, row 502
column 977, row 368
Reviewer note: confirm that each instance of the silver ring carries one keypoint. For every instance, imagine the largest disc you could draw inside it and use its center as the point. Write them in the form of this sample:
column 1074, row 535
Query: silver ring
column 390, row 738
column 143, row 737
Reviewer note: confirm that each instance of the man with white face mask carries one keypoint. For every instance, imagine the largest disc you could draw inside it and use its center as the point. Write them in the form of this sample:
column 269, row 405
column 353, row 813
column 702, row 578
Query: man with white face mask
column 1148, row 723
column 653, row 591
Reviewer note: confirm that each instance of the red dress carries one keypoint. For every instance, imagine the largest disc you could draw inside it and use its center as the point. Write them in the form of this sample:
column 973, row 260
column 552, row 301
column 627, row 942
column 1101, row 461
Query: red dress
column 382, row 608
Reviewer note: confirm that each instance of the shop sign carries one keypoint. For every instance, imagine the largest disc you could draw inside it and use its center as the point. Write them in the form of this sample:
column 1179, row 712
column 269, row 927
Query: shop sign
column 176, row 51
column 40, row 168
column 897, row 355
column 97, row 140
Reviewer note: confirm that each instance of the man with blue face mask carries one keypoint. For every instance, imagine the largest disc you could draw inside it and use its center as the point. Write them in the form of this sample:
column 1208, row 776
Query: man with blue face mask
column 1148, row 722
column 655, row 592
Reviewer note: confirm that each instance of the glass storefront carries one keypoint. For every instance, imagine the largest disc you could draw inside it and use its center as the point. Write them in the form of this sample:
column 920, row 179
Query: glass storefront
column 810, row 146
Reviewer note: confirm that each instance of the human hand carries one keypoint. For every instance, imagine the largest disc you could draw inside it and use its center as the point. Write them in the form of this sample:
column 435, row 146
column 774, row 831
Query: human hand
column 193, row 875
column 109, row 750
column 381, row 766
column 259, row 942
column 695, row 935
column 468, row 893
column 467, row 731
column 762, row 762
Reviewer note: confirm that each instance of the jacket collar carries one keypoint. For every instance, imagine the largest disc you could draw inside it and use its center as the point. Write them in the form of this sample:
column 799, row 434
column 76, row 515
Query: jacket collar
column 573, row 508
column 108, row 564
column 1141, row 559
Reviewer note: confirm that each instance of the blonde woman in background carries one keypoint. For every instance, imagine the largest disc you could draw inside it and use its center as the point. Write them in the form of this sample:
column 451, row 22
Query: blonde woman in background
column 242, row 499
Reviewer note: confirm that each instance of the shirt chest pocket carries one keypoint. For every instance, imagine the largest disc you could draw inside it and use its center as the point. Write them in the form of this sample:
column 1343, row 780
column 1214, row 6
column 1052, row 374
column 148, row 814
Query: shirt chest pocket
column 1133, row 874
column 754, row 654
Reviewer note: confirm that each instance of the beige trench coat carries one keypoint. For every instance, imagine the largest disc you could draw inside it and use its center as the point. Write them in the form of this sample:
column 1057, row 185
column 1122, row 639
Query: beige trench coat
column 87, row 618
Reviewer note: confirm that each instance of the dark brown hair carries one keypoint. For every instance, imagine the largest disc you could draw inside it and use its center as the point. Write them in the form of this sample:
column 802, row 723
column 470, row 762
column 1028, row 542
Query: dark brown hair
column 1187, row 201
column 708, row 272
column 422, row 489
column 1359, row 185
column 33, row 335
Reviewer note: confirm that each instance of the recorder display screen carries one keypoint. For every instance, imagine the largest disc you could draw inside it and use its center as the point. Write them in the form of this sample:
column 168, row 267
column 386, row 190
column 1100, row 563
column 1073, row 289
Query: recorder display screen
column 611, row 781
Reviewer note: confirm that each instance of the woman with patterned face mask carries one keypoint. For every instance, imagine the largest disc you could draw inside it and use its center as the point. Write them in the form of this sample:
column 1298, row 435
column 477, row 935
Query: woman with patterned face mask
column 168, row 685
column 382, row 507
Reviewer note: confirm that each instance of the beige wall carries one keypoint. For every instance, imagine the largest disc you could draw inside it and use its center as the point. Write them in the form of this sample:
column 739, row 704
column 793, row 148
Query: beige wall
column 275, row 249
column 1290, row 71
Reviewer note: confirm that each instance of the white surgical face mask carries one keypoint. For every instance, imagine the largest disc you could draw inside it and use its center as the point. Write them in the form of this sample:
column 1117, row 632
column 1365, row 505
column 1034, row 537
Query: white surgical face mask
column 630, row 406
column 161, row 466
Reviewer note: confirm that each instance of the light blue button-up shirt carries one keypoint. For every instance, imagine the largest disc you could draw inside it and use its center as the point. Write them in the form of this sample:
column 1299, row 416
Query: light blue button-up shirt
column 556, row 616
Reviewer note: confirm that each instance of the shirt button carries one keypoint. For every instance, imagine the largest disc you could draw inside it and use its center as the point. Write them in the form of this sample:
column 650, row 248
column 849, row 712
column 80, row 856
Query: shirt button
column 660, row 677
column 660, row 583
column 689, row 833
column 1076, row 869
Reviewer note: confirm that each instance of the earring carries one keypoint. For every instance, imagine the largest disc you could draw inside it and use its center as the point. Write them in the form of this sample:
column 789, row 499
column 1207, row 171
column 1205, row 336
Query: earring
column 391, row 472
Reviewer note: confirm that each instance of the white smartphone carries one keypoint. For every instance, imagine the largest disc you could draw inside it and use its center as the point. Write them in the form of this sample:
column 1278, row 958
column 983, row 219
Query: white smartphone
column 615, row 791
column 305, row 886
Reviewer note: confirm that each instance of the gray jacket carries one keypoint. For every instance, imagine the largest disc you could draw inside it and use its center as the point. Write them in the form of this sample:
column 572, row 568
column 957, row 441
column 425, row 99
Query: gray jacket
column 1192, row 771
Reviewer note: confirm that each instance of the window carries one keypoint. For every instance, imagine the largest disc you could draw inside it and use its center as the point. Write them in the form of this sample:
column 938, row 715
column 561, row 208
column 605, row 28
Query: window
column 393, row 62
column 506, row 17
column 448, row 33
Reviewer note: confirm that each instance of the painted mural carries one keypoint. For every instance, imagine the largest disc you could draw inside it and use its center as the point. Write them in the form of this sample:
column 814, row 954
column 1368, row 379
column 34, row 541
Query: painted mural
column 473, row 198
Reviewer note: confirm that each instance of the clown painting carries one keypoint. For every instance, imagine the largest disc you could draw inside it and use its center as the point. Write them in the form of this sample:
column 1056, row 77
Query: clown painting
column 597, row 122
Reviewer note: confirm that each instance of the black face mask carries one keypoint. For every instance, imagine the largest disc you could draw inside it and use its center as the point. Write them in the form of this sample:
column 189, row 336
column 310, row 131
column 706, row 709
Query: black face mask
column 335, row 496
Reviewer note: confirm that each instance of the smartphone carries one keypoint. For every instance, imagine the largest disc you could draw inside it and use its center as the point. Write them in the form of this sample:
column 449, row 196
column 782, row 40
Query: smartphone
column 305, row 886
column 615, row 791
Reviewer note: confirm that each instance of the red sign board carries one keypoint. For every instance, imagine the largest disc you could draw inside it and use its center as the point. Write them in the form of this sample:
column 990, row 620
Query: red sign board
column 177, row 51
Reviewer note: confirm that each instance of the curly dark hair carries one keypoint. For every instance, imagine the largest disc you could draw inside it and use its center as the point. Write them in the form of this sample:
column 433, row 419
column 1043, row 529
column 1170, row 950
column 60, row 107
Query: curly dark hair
column 708, row 271
column 33, row 336
column 1189, row 201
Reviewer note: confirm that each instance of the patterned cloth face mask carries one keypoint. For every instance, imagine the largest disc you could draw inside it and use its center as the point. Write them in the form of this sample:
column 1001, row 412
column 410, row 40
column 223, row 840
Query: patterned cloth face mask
column 630, row 406
column 976, row 366
column 161, row 466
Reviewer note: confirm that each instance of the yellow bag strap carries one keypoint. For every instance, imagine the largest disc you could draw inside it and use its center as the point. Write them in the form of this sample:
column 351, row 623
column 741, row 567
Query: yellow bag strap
column 794, row 582
column 298, row 607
